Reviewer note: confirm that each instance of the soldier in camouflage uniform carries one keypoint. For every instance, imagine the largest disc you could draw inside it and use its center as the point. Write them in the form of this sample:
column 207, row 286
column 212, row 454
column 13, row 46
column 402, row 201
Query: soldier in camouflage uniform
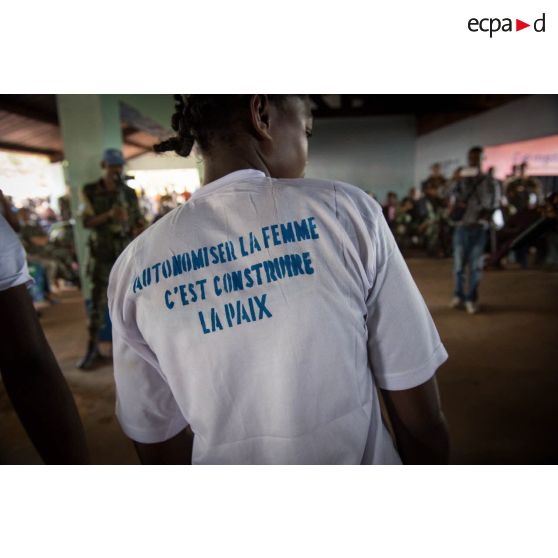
column 110, row 209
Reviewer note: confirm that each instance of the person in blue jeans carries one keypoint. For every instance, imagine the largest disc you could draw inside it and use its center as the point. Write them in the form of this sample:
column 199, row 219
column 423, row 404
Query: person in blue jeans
column 474, row 198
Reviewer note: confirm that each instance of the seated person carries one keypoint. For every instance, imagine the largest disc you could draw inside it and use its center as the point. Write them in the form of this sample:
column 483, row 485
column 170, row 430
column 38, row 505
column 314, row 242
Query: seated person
column 429, row 210
column 39, row 251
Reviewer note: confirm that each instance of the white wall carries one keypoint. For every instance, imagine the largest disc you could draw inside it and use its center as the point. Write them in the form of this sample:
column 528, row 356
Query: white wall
column 376, row 154
column 526, row 118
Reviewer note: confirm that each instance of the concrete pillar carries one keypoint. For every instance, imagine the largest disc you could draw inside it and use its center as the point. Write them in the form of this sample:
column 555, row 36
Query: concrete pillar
column 89, row 124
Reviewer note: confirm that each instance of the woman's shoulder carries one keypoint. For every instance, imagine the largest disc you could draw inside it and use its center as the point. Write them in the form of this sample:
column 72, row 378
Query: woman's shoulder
column 353, row 206
column 330, row 186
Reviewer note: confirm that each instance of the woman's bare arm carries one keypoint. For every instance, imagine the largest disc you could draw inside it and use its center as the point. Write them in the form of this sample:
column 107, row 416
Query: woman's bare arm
column 176, row 451
column 35, row 384
column 419, row 426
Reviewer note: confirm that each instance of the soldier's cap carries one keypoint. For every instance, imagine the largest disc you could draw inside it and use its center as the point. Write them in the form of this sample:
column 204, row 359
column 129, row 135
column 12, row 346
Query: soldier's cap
column 113, row 157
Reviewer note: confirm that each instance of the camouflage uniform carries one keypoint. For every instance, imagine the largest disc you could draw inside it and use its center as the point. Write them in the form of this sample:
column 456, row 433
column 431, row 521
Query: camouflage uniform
column 107, row 241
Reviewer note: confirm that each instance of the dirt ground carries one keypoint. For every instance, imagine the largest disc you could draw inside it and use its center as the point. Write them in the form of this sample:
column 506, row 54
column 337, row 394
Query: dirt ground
column 499, row 386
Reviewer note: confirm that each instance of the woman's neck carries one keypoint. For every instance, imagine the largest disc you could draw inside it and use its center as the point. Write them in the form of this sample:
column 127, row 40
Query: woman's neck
column 225, row 163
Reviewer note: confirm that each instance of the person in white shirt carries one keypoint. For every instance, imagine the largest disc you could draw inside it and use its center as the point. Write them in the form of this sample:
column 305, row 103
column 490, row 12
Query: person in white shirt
column 32, row 378
column 256, row 323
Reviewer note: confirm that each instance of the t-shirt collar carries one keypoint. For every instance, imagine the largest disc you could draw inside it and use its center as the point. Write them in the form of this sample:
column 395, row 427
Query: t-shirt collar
column 236, row 176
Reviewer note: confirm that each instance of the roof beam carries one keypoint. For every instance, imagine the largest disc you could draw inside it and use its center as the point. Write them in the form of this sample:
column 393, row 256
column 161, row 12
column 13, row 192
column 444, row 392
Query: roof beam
column 8, row 104
column 127, row 131
column 138, row 145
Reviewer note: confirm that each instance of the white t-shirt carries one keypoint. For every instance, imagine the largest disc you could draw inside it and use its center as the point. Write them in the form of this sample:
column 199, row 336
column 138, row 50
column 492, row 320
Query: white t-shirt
column 13, row 264
column 263, row 313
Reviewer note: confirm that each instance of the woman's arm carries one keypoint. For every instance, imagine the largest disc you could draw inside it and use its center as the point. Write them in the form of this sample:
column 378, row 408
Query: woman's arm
column 35, row 384
column 419, row 426
column 176, row 451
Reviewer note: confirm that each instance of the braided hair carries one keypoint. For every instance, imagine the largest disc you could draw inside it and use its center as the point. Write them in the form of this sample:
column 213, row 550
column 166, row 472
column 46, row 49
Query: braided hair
column 201, row 119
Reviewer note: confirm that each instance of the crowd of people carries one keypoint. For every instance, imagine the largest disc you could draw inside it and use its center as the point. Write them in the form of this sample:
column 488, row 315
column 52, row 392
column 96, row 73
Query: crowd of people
column 46, row 230
column 422, row 221
column 49, row 245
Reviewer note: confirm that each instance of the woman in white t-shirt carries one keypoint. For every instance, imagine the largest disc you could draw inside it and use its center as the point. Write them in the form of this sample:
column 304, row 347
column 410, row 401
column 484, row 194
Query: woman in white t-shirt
column 259, row 322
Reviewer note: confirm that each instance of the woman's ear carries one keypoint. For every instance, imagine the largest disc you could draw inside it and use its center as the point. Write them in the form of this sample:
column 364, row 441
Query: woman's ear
column 260, row 114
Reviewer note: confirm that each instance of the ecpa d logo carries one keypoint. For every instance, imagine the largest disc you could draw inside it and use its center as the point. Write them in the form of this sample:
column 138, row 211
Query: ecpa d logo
column 494, row 24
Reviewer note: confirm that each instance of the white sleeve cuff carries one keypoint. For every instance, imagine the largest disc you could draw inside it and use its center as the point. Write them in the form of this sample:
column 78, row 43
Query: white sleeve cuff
column 413, row 378
column 153, row 435
column 11, row 282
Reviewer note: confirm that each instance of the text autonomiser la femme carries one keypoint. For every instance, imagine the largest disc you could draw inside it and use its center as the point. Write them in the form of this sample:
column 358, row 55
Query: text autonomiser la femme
column 204, row 257
column 237, row 312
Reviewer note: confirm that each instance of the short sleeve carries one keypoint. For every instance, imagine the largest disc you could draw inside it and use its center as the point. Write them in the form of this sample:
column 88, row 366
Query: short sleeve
column 13, row 263
column 145, row 405
column 404, row 347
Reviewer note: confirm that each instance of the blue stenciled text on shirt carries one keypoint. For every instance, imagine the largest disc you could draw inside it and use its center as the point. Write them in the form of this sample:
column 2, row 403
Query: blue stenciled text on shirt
column 250, row 243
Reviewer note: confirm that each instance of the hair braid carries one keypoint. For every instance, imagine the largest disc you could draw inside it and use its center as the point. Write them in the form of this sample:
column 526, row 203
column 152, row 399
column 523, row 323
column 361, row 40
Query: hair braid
column 183, row 142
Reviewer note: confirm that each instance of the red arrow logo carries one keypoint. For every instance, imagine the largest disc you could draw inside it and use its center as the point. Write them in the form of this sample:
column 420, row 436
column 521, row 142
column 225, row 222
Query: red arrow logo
column 519, row 25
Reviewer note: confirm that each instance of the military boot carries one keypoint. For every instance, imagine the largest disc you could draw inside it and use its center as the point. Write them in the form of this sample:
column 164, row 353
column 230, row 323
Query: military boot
column 92, row 357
